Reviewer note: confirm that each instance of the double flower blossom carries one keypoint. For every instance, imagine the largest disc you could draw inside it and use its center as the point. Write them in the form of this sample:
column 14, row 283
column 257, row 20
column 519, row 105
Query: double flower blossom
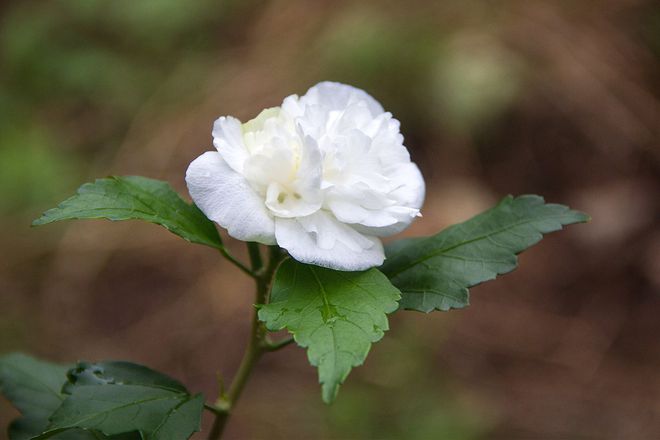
column 324, row 176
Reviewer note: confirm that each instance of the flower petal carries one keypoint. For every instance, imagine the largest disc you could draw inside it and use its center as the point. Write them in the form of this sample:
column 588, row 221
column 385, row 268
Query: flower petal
column 409, row 196
column 225, row 197
column 321, row 240
column 337, row 96
column 228, row 140
column 413, row 189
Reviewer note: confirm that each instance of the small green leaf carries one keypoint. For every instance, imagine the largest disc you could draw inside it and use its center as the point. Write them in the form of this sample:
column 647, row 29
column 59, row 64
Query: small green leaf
column 136, row 198
column 33, row 387
column 119, row 397
column 434, row 273
column 335, row 315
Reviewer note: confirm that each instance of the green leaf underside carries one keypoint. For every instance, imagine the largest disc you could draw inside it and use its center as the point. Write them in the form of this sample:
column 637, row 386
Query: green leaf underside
column 119, row 397
column 434, row 273
column 335, row 315
column 136, row 198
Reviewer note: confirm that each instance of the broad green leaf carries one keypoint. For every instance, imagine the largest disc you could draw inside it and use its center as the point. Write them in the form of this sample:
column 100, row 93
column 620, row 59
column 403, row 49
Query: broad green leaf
column 33, row 387
column 136, row 198
column 335, row 315
column 434, row 273
column 118, row 409
column 119, row 397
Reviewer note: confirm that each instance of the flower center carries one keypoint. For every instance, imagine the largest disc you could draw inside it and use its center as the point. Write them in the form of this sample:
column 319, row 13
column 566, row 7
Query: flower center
column 277, row 167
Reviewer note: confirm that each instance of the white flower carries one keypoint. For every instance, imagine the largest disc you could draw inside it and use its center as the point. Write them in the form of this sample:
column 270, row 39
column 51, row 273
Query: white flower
column 323, row 176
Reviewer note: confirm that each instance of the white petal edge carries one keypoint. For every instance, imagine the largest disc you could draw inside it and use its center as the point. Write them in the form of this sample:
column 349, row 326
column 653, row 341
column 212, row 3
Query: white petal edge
column 410, row 195
column 228, row 140
column 337, row 96
column 303, row 247
column 225, row 197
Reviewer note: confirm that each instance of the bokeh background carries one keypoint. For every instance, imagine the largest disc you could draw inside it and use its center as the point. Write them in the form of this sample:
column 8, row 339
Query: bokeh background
column 559, row 98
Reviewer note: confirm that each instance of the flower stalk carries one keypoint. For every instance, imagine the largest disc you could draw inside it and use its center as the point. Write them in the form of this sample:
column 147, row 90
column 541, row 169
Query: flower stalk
column 258, row 344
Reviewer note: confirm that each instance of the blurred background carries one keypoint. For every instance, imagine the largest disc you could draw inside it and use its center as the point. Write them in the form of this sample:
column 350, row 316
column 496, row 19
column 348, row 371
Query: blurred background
column 559, row 98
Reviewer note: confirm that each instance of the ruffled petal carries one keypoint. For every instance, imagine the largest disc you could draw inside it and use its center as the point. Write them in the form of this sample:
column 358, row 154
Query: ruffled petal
column 225, row 197
column 228, row 140
column 321, row 240
column 409, row 197
column 412, row 190
column 337, row 96
column 348, row 211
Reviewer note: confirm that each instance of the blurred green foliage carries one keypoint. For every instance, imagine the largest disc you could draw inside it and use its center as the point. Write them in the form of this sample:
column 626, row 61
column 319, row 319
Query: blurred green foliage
column 408, row 398
column 431, row 78
column 474, row 83
column 74, row 74
column 383, row 55
column 32, row 172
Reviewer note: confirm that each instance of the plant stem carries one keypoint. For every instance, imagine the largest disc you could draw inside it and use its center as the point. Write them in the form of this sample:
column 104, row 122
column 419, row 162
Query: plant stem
column 255, row 256
column 257, row 344
column 225, row 253
column 278, row 345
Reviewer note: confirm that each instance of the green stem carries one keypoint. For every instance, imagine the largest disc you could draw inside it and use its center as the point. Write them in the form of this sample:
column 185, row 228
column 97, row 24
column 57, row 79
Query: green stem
column 255, row 256
column 225, row 253
column 257, row 344
column 277, row 345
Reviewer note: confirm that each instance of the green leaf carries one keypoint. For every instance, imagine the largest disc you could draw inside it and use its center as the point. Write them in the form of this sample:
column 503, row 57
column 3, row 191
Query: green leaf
column 335, row 315
column 119, row 373
column 434, row 273
column 119, row 397
column 33, row 387
column 136, row 198
column 83, row 434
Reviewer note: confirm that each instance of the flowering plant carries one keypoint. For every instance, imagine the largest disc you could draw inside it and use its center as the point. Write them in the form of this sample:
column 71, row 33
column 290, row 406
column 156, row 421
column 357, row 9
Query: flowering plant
column 319, row 180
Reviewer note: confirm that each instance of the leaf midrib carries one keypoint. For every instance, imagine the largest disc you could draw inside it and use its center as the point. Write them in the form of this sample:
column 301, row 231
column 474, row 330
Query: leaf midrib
column 324, row 295
column 183, row 218
column 117, row 408
column 183, row 215
column 326, row 304
column 463, row 243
